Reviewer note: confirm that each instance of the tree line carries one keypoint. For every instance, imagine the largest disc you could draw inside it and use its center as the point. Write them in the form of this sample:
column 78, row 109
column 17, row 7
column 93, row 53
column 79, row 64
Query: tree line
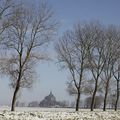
column 90, row 52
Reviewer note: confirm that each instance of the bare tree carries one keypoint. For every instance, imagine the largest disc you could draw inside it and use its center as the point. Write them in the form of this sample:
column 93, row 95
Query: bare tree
column 116, row 65
column 28, row 34
column 112, row 35
column 117, row 78
column 95, row 54
column 116, row 74
column 72, row 53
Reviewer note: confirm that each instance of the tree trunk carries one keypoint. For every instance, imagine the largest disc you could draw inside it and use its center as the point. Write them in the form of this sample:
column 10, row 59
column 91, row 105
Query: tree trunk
column 77, row 101
column 93, row 97
column 14, row 99
column 106, row 93
column 15, row 92
column 105, row 97
column 116, row 103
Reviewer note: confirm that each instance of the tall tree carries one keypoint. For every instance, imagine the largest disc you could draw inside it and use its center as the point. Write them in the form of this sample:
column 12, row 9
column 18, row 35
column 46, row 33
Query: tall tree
column 110, row 57
column 116, row 65
column 72, row 54
column 117, row 78
column 95, row 54
column 30, row 31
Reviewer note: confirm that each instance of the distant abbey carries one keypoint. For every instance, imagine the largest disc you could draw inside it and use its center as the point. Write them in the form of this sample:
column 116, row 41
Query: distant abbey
column 49, row 101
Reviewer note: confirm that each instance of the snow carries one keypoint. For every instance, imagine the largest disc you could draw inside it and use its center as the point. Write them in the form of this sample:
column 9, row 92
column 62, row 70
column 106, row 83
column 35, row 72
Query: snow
column 57, row 114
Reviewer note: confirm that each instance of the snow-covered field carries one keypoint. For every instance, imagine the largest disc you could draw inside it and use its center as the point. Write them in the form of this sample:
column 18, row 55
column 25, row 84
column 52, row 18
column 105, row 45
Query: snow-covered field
column 57, row 114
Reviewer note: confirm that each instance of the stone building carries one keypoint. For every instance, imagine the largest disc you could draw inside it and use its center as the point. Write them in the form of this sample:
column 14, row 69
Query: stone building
column 49, row 101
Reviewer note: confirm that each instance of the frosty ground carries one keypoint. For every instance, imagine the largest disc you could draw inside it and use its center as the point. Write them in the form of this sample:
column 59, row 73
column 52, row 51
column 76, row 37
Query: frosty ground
column 56, row 114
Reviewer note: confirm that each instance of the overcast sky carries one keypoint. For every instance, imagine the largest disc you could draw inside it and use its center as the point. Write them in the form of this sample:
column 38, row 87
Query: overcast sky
column 49, row 77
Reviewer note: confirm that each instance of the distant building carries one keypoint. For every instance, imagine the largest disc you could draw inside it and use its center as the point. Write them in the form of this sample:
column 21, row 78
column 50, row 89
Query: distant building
column 50, row 101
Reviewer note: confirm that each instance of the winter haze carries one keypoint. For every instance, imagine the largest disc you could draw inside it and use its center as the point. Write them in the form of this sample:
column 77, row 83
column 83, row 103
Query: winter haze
column 49, row 77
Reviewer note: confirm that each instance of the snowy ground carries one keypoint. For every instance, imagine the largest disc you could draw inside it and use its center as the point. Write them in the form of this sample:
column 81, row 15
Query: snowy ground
column 56, row 114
